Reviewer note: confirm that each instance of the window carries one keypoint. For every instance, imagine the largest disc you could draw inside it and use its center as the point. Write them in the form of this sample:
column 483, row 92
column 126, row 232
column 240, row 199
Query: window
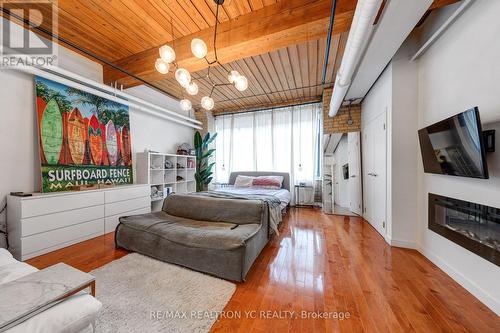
column 282, row 139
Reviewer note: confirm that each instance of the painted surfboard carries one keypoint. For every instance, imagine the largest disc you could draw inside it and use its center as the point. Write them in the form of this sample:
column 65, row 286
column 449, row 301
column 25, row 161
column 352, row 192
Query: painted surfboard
column 40, row 107
column 95, row 140
column 76, row 136
column 111, row 143
column 105, row 159
column 51, row 132
column 126, row 146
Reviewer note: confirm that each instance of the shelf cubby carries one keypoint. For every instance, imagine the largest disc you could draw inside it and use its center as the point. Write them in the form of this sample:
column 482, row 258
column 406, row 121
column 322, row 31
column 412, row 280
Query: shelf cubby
column 161, row 171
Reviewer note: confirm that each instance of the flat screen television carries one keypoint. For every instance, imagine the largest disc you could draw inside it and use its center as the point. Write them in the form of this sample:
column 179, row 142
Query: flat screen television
column 455, row 146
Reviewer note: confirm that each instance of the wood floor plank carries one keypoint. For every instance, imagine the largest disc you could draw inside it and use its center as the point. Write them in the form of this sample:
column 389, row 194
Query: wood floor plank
column 328, row 264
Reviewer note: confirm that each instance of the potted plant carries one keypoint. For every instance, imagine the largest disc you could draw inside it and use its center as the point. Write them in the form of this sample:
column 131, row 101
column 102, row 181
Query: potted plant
column 203, row 175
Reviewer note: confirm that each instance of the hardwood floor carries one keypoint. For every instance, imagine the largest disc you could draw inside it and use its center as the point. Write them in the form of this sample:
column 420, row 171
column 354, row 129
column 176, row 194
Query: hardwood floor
column 328, row 264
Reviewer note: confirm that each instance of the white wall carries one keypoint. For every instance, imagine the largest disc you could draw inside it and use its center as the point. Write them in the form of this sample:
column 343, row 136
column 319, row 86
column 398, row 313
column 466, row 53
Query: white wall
column 153, row 133
column 404, row 148
column 19, row 164
column 462, row 70
column 377, row 101
column 395, row 92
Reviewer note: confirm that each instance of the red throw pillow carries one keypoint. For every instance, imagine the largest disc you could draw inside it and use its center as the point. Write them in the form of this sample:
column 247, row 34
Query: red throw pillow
column 267, row 182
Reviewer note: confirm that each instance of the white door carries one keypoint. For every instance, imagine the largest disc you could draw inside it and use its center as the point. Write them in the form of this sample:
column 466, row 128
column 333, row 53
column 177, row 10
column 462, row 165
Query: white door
column 379, row 168
column 374, row 173
column 335, row 184
column 354, row 156
column 367, row 163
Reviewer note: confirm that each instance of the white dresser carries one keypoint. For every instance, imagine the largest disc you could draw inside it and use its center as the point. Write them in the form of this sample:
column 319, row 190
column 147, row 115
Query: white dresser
column 46, row 222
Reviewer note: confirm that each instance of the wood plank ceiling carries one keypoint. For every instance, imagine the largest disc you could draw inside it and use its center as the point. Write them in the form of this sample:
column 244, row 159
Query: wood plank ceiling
column 115, row 29
column 126, row 32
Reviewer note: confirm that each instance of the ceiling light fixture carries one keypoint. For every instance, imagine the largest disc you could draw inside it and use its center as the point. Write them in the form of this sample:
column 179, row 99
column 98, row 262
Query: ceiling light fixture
column 207, row 103
column 200, row 51
column 162, row 66
column 185, row 104
column 183, row 76
column 192, row 88
column 167, row 53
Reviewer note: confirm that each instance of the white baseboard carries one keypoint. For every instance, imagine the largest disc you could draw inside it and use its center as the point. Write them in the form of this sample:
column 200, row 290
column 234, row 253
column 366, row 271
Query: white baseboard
column 474, row 289
column 403, row 243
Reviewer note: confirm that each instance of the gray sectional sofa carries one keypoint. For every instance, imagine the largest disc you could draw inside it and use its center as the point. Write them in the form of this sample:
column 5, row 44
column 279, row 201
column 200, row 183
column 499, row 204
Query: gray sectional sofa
column 221, row 237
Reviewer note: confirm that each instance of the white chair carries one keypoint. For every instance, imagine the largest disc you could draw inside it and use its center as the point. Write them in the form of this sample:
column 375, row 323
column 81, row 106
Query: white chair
column 77, row 313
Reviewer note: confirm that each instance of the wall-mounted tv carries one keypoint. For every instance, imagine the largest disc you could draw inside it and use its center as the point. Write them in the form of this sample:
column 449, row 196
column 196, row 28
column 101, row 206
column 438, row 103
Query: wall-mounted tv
column 455, row 146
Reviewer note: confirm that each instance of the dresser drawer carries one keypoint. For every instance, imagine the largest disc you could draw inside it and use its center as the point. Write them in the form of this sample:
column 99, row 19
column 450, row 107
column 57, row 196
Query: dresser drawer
column 126, row 206
column 38, row 244
column 124, row 193
column 43, row 223
column 53, row 204
column 110, row 222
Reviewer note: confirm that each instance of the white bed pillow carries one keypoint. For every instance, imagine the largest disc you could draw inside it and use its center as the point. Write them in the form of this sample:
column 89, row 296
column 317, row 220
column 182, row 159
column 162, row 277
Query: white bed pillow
column 243, row 181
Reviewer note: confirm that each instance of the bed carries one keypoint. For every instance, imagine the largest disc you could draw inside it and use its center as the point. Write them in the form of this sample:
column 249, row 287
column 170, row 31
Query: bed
column 216, row 232
column 283, row 194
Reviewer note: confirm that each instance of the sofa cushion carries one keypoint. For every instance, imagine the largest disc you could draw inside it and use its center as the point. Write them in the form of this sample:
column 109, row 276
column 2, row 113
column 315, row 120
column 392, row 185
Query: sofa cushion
column 11, row 269
column 192, row 233
column 211, row 209
column 6, row 257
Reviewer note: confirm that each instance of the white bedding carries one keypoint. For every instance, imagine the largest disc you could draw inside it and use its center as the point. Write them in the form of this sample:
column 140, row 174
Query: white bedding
column 77, row 313
column 282, row 194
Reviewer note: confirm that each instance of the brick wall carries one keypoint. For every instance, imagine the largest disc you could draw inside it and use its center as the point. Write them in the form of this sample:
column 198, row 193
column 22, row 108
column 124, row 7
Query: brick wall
column 202, row 115
column 338, row 124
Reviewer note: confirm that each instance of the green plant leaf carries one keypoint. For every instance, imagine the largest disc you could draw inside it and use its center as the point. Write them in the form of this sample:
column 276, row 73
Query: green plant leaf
column 212, row 138
column 208, row 153
column 197, row 140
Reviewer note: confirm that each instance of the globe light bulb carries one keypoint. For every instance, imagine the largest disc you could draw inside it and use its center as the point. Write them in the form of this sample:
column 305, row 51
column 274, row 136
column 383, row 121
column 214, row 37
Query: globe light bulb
column 185, row 104
column 192, row 88
column 241, row 83
column 183, row 77
column 162, row 66
column 207, row 103
column 199, row 48
column 233, row 75
column 167, row 53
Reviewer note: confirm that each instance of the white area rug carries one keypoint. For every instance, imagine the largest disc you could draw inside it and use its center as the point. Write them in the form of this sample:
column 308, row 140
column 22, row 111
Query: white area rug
column 140, row 294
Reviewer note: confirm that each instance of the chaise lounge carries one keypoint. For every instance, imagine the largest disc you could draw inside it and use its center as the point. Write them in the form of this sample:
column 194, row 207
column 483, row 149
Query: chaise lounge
column 221, row 237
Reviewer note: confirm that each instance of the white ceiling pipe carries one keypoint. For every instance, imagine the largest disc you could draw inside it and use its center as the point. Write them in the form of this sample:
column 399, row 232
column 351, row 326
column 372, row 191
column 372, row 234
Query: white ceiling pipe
column 362, row 23
column 54, row 77
column 116, row 92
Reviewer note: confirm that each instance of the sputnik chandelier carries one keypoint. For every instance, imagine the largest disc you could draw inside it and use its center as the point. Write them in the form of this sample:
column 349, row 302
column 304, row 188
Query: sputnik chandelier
column 182, row 75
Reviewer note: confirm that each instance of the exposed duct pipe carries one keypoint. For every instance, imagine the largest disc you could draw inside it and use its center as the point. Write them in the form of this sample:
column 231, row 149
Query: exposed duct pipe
column 362, row 23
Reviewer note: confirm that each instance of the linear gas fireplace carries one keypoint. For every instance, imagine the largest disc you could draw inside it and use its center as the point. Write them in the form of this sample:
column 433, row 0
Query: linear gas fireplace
column 470, row 225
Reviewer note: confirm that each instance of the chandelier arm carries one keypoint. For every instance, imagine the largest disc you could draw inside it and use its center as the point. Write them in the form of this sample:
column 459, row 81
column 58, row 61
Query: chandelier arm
column 222, row 84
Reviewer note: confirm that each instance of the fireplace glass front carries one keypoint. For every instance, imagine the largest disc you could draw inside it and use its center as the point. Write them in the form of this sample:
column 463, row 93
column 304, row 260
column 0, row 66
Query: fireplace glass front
column 473, row 226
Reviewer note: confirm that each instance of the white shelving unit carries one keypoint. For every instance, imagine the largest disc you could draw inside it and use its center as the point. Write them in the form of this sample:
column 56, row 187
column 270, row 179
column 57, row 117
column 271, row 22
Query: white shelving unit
column 161, row 171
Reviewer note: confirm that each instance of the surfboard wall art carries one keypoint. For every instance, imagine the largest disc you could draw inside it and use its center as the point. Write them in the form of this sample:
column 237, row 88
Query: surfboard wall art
column 81, row 138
